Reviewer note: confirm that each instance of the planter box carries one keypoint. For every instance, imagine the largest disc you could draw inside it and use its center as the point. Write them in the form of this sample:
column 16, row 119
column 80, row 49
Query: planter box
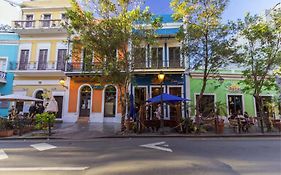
column 6, row 133
column 220, row 128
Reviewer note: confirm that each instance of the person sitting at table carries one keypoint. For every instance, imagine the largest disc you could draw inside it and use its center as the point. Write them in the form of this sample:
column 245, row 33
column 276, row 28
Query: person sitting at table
column 232, row 116
column 246, row 122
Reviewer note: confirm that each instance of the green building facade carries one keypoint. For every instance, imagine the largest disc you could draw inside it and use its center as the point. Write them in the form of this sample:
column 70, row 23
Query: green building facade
column 227, row 91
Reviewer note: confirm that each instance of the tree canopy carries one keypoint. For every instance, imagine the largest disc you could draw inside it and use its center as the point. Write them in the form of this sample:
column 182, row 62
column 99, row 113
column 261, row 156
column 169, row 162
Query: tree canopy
column 108, row 30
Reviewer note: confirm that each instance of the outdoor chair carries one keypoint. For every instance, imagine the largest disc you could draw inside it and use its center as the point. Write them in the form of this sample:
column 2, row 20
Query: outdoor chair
column 277, row 124
column 208, row 123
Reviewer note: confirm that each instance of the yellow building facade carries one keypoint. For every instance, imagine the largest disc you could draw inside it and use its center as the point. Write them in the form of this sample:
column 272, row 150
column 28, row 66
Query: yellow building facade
column 43, row 51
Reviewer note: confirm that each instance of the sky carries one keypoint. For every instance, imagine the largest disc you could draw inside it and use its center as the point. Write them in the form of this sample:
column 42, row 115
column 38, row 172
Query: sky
column 236, row 8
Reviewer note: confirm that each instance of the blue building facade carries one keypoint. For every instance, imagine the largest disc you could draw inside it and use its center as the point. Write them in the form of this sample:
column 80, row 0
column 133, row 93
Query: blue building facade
column 165, row 57
column 8, row 57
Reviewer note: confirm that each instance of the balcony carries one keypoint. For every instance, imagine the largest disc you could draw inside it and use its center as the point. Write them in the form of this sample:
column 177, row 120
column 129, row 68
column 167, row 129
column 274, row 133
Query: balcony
column 39, row 26
column 158, row 64
column 3, row 77
column 82, row 67
column 50, row 68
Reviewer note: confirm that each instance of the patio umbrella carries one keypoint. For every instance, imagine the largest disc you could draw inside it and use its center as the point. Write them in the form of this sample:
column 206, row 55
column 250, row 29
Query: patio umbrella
column 132, row 107
column 18, row 97
column 166, row 98
column 52, row 105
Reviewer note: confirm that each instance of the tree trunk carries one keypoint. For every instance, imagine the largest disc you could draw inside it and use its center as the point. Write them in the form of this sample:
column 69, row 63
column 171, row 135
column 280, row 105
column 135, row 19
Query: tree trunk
column 198, row 101
column 124, row 102
column 260, row 111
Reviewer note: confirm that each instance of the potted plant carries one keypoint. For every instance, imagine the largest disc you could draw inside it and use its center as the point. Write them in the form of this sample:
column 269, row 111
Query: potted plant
column 219, row 122
column 6, row 128
column 45, row 121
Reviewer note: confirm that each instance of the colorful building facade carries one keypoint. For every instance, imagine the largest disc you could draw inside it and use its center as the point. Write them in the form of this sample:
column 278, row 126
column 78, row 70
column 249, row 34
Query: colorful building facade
column 42, row 61
column 226, row 91
column 9, row 42
column 163, row 57
column 89, row 100
column 43, row 50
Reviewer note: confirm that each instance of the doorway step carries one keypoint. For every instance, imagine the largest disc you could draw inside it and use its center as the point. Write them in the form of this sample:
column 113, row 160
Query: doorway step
column 83, row 120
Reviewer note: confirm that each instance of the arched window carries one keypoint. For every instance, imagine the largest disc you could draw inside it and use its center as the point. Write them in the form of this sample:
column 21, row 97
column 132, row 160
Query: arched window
column 39, row 94
column 110, row 101
column 85, row 101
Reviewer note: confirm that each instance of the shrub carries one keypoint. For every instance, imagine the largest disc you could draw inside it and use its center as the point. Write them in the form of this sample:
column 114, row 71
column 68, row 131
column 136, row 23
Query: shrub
column 42, row 120
column 5, row 124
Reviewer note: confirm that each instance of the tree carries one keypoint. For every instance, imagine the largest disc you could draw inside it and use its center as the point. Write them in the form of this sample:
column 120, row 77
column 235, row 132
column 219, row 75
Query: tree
column 110, row 29
column 260, row 54
column 207, row 42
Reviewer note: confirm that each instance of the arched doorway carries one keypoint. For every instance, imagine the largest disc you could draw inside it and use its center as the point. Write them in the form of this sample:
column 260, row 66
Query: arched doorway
column 39, row 95
column 110, row 101
column 85, row 101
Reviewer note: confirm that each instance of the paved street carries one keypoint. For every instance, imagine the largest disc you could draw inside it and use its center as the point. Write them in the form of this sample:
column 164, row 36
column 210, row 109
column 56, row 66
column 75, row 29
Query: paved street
column 165, row 156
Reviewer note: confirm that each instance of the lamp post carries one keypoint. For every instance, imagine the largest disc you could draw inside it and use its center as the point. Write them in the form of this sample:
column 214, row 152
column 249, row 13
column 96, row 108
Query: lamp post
column 161, row 77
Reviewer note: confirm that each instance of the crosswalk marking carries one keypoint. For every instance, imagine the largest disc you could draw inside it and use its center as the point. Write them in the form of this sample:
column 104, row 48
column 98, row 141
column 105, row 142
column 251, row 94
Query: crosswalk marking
column 43, row 146
column 3, row 155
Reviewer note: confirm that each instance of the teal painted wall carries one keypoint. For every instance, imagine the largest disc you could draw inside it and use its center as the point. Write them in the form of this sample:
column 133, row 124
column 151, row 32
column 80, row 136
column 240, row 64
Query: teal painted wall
column 221, row 90
column 8, row 49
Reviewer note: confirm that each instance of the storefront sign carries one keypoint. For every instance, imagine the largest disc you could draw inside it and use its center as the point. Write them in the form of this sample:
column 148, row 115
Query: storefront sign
column 234, row 88
column 98, row 87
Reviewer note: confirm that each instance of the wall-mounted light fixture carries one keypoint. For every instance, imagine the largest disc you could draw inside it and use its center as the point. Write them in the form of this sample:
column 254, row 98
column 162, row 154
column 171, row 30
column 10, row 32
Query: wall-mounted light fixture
column 62, row 83
column 221, row 80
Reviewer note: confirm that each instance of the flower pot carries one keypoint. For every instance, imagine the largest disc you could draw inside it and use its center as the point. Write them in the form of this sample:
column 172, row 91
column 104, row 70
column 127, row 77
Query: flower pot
column 6, row 133
column 220, row 128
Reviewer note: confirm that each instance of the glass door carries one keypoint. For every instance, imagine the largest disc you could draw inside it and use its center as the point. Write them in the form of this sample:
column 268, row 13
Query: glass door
column 235, row 105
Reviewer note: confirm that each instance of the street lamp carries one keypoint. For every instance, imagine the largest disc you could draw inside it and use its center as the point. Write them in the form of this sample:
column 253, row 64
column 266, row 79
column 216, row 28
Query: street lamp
column 221, row 80
column 161, row 77
column 62, row 83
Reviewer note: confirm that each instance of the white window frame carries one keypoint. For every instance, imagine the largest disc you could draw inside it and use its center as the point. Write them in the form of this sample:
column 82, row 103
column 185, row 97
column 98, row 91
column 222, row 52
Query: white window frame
column 7, row 61
column 261, row 95
column 42, row 46
column 243, row 101
column 79, row 97
column 59, row 45
column 168, row 54
column 164, row 91
column 116, row 101
column 25, row 46
column 182, row 95
column 215, row 97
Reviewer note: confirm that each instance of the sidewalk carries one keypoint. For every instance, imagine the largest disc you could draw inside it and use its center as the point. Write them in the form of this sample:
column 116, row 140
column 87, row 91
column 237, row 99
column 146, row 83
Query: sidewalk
column 81, row 131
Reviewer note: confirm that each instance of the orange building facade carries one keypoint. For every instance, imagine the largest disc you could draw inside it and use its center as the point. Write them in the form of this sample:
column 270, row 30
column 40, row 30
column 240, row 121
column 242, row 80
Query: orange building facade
column 87, row 99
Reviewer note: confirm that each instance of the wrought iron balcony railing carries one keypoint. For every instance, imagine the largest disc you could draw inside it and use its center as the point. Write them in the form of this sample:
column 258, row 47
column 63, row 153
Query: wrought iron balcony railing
column 51, row 65
column 158, row 64
column 82, row 66
column 95, row 66
column 39, row 24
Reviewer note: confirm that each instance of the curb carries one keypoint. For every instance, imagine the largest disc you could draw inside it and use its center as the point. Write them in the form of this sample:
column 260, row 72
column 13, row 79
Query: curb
column 147, row 136
column 31, row 138
column 192, row 136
